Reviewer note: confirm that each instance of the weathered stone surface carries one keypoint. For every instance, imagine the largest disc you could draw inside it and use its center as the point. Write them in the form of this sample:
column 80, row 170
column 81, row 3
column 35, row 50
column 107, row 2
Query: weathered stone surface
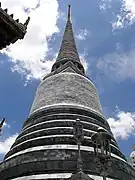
column 66, row 112
column 57, row 161
column 68, row 88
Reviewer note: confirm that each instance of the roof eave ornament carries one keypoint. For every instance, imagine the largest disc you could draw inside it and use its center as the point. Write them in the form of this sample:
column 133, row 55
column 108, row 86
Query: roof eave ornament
column 27, row 22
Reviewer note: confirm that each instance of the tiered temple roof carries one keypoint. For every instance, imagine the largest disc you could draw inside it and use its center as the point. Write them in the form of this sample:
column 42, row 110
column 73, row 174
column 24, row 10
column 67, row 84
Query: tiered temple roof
column 10, row 29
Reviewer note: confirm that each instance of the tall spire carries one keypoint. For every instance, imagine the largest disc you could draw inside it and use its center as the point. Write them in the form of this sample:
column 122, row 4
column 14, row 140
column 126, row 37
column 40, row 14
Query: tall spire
column 68, row 47
column 69, row 12
column 68, row 50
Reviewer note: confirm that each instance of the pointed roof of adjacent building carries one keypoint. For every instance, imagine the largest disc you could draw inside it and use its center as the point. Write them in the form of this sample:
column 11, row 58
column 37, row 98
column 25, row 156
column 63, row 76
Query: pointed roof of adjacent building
column 10, row 29
column 68, row 50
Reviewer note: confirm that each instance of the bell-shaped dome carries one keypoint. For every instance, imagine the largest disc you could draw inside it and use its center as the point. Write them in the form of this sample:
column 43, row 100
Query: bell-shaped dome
column 67, row 88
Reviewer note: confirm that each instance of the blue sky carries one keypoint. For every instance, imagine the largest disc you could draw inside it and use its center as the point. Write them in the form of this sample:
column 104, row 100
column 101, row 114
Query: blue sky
column 104, row 31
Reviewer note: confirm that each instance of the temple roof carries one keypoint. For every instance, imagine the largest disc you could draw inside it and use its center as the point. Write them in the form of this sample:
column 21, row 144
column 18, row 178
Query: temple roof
column 10, row 30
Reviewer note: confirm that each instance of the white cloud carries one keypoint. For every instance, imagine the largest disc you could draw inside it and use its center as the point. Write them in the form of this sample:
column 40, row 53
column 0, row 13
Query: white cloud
column 123, row 125
column 129, row 5
column 84, row 61
column 118, row 66
column 6, row 144
column 119, row 23
column 126, row 15
column 82, row 34
column 105, row 4
column 6, row 125
column 29, row 55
